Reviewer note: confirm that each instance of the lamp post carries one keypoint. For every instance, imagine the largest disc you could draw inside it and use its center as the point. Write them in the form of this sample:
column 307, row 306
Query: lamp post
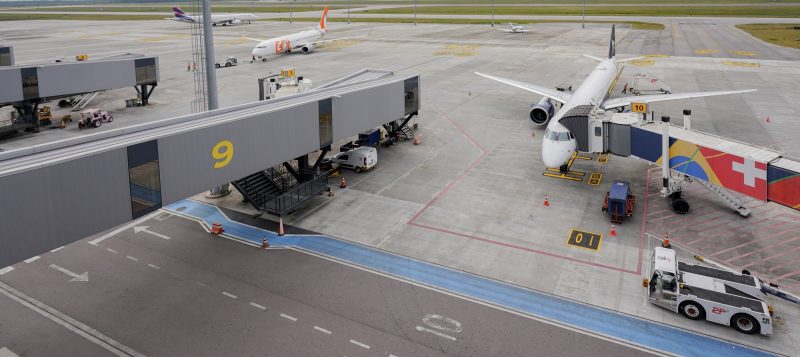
column 492, row 13
column 348, row 12
column 583, row 21
column 415, row 12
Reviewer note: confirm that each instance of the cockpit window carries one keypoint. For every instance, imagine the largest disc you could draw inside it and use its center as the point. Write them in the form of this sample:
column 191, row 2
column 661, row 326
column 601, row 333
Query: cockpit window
column 558, row 136
column 563, row 136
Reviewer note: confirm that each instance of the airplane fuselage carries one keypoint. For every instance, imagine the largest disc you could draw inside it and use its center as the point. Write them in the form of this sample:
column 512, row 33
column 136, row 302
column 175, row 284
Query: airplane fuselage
column 220, row 19
column 558, row 144
column 297, row 41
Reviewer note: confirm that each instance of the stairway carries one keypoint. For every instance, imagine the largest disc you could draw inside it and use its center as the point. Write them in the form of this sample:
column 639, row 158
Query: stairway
column 257, row 188
column 733, row 201
column 83, row 100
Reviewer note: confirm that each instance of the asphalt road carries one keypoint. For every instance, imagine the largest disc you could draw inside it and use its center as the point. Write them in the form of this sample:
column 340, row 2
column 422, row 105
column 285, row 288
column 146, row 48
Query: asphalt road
column 194, row 295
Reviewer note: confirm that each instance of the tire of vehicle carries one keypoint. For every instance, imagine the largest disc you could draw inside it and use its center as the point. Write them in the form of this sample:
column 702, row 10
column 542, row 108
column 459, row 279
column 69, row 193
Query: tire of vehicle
column 746, row 272
column 358, row 170
column 110, row 118
column 745, row 323
column 97, row 123
column 680, row 206
column 692, row 310
column 216, row 65
column 81, row 125
column 227, row 64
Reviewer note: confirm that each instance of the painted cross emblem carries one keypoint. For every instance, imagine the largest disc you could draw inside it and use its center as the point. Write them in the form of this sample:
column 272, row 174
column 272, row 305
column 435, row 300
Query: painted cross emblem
column 750, row 171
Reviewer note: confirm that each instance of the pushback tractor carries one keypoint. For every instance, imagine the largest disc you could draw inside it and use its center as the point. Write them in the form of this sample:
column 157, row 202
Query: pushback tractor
column 704, row 293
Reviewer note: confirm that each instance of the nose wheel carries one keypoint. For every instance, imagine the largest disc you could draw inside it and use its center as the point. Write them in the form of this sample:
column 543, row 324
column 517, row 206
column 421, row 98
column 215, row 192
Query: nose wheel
column 565, row 171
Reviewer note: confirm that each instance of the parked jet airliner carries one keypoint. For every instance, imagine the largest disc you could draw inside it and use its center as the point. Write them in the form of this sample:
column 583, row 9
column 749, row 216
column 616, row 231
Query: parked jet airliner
column 304, row 41
column 559, row 144
column 221, row 19
column 514, row 28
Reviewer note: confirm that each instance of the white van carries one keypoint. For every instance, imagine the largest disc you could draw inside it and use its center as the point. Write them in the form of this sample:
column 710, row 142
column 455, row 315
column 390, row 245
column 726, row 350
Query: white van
column 360, row 159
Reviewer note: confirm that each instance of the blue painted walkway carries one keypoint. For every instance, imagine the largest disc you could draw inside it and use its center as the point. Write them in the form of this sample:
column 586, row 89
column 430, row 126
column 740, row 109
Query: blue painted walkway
column 602, row 321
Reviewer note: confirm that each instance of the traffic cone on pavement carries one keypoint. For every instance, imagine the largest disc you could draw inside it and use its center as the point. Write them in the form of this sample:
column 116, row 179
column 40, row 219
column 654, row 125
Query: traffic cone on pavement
column 280, row 227
column 546, row 201
column 417, row 141
column 344, row 183
column 613, row 231
column 665, row 242
column 264, row 243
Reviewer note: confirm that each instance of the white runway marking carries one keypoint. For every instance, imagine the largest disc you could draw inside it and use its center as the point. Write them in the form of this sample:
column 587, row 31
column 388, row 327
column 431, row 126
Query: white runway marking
column 154, row 266
column 203, row 285
column 33, row 259
column 6, row 270
column 320, row 329
column 120, row 229
column 437, row 333
column 229, row 295
column 111, row 250
column 132, row 258
column 57, row 249
column 359, row 344
column 289, row 317
column 258, row 306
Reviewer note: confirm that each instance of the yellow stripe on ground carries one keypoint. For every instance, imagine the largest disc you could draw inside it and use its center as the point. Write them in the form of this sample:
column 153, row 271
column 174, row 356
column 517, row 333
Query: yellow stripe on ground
column 457, row 50
column 743, row 53
column 657, row 55
column 704, row 51
column 642, row 62
column 741, row 64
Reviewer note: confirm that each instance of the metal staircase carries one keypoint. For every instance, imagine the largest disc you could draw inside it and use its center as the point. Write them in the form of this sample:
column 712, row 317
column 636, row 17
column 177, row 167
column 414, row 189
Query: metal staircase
column 257, row 188
column 733, row 201
column 407, row 132
column 83, row 101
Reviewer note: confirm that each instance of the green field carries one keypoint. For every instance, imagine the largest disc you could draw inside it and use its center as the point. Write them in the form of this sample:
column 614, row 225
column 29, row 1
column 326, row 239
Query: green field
column 167, row 8
column 787, row 35
column 639, row 25
column 738, row 11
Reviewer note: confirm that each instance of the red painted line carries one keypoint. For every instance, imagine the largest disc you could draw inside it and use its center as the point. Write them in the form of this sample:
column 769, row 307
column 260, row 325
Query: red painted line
column 750, row 242
column 765, row 248
column 738, row 230
column 787, row 275
column 509, row 245
column 778, row 255
column 484, row 153
column 644, row 223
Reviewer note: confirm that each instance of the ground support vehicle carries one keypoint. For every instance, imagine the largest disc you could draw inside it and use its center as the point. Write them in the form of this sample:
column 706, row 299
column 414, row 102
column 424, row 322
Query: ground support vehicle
column 705, row 293
column 619, row 202
column 94, row 117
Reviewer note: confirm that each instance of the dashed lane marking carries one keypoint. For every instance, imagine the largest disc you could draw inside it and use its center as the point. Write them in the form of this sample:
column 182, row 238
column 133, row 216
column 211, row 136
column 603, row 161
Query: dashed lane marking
column 437, row 333
column 203, row 285
column 33, row 259
column 57, row 249
column 132, row 258
column 6, row 270
column 257, row 306
column 320, row 329
column 289, row 317
column 365, row 346
column 111, row 250
column 229, row 295
column 154, row 266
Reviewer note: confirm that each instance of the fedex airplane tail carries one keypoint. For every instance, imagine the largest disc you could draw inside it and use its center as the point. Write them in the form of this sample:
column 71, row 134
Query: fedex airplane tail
column 323, row 22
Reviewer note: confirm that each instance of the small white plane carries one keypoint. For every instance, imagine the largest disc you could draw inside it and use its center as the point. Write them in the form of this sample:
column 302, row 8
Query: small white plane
column 304, row 41
column 222, row 19
column 559, row 144
column 514, row 28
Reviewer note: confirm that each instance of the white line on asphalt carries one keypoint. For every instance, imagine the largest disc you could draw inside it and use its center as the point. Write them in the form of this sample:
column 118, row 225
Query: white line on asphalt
column 437, row 333
column 69, row 323
column 132, row 258
column 203, row 285
column 289, row 317
column 229, row 295
column 33, row 259
column 359, row 344
column 122, row 228
column 258, row 306
column 153, row 266
column 391, row 355
column 6, row 270
column 57, row 249
column 111, row 250
column 320, row 329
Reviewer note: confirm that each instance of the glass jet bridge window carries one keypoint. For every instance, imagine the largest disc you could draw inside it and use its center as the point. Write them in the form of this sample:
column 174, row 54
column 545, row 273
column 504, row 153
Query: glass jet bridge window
column 144, row 177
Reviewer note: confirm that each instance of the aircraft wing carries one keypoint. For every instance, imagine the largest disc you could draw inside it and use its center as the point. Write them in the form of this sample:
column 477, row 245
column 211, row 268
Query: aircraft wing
column 331, row 40
column 625, row 101
column 553, row 94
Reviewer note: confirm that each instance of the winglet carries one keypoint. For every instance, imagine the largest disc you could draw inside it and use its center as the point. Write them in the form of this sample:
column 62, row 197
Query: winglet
column 323, row 22
column 612, row 47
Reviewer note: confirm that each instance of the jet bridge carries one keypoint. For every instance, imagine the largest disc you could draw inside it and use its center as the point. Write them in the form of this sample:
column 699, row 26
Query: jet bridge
column 56, row 193
column 27, row 86
column 721, row 164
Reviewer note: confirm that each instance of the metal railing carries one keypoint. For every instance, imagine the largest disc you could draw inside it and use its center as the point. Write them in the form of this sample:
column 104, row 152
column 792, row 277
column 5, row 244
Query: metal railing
column 295, row 196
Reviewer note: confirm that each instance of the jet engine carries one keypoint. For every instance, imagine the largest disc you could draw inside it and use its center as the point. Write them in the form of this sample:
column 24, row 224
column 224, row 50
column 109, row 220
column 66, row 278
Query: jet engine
column 308, row 48
column 542, row 112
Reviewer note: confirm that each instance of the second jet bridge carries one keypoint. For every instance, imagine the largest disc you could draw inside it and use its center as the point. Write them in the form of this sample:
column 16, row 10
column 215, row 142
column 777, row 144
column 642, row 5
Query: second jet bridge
column 56, row 193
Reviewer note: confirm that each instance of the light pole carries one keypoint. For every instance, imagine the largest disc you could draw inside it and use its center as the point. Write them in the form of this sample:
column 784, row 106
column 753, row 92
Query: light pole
column 492, row 13
column 291, row 8
column 415, row 12
column 348, row 12
column 208, row 42
column 583, row 21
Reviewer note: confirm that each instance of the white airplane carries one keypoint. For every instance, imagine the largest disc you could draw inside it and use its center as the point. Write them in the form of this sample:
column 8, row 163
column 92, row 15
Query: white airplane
column 304, row 41
column 514, row 28
column 222, row 19
column 559, row 144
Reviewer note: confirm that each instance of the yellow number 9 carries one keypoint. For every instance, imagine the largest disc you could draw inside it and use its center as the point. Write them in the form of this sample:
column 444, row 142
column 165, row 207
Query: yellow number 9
column 223, row 153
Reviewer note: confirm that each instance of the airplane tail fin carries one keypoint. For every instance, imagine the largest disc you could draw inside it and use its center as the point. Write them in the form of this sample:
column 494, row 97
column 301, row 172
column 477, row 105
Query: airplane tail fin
column 323, row 22
column 612, row 47
column 180, row 15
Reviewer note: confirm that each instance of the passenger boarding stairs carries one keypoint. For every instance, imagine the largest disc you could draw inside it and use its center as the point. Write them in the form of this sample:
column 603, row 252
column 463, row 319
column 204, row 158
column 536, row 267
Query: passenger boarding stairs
column 276, row 191
column 83, row 100
column 256, row 188
column 731, row 199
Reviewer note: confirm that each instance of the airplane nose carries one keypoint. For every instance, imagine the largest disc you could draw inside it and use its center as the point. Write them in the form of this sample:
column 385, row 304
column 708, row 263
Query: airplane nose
column 554, row 153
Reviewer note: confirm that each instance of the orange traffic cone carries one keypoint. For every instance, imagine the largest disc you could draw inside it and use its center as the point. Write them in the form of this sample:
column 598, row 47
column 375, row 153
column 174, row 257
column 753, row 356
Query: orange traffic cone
column 613, row 231
column 280, row 227
column 264, row 243
column 344, row 183
column 216, row 228
column 546, row 201
column 665, row 242
column 417, row 141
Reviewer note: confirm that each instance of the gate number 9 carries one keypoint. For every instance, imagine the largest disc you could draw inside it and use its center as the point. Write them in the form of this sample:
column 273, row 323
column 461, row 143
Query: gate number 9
column 223, row 153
